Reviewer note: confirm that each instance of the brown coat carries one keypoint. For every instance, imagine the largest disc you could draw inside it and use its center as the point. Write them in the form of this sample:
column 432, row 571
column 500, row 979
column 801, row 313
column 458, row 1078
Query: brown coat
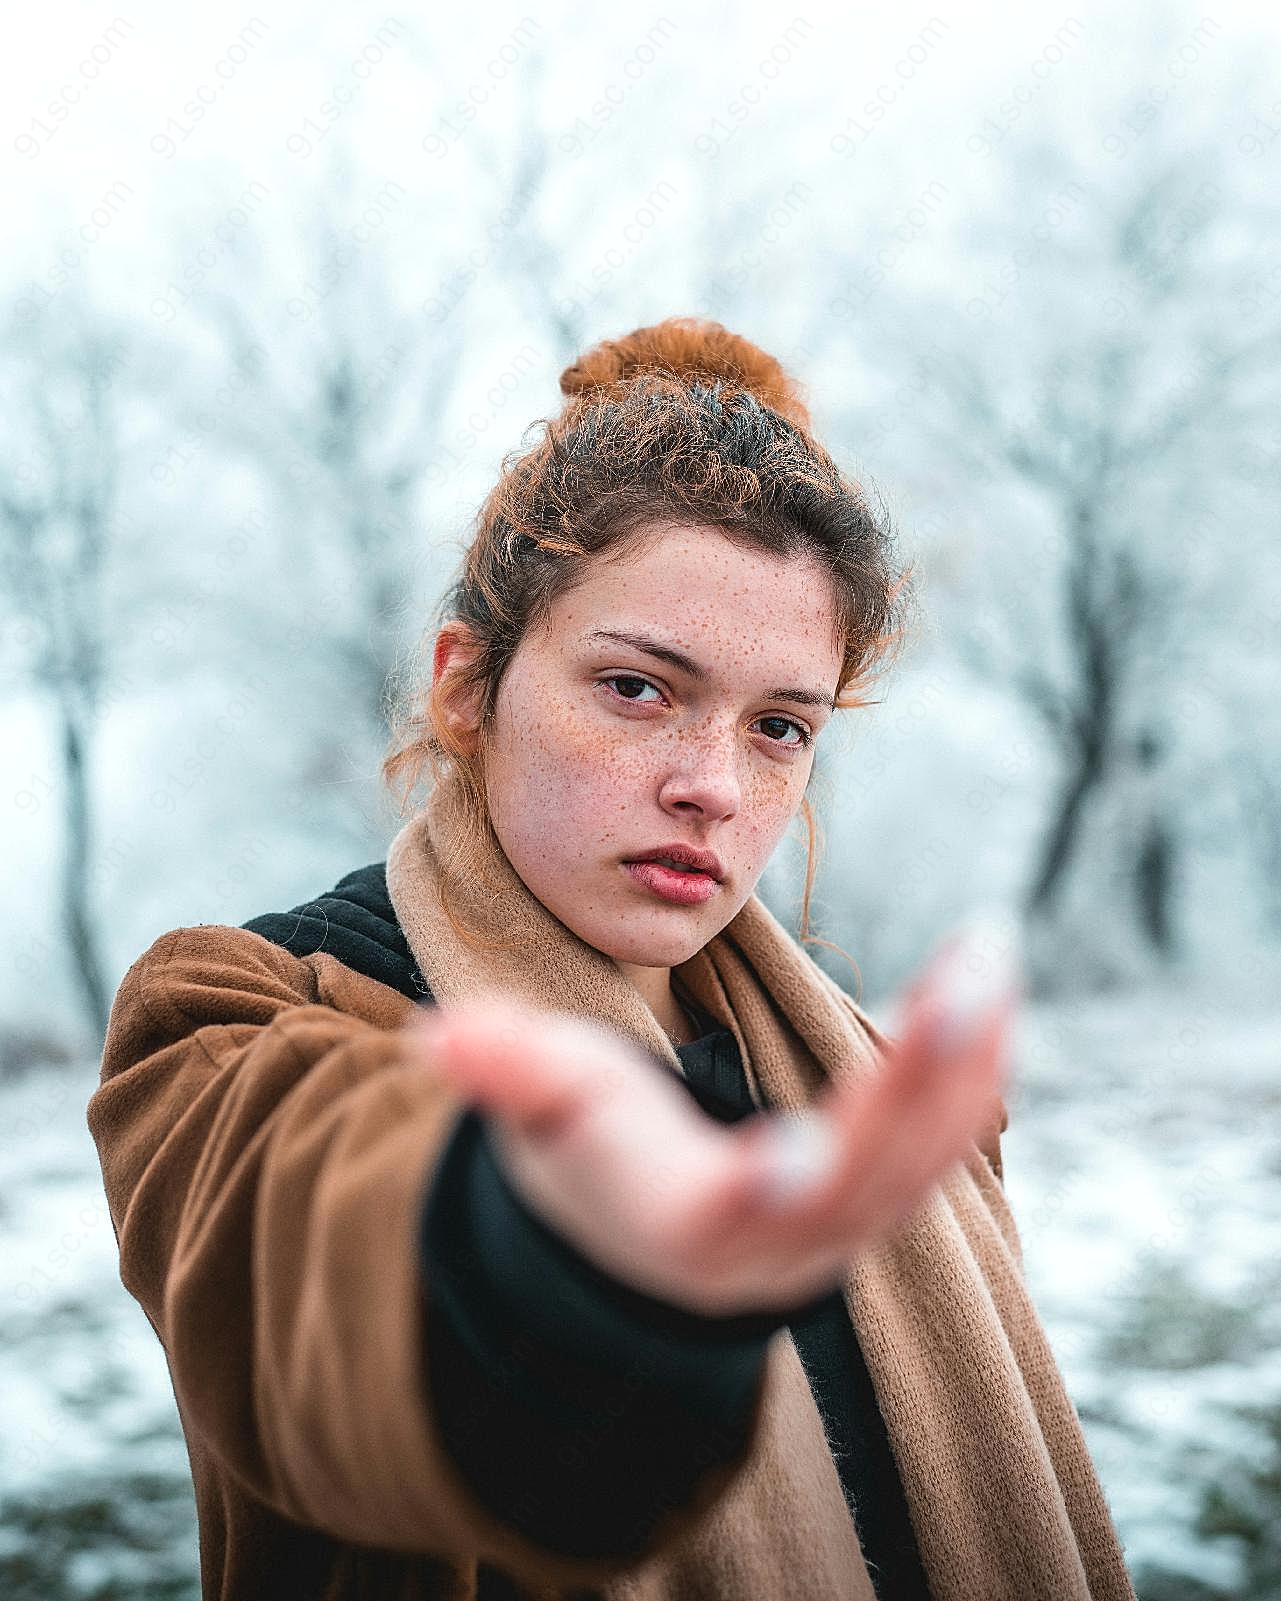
column 266, row 1143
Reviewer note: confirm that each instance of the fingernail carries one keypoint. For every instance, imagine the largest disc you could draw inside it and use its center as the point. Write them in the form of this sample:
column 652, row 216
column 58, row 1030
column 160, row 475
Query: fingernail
column 978, row 971
column 800, row 1149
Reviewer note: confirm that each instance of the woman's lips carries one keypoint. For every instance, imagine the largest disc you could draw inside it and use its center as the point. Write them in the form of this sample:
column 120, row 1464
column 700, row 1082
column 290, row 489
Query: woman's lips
column 672, row 884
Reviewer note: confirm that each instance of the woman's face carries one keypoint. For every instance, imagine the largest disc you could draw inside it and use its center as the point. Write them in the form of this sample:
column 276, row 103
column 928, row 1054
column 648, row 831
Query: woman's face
column 601, row 751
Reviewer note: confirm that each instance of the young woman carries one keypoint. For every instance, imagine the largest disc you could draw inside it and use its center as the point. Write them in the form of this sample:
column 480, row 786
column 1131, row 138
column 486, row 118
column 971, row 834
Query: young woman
column 530, row 1215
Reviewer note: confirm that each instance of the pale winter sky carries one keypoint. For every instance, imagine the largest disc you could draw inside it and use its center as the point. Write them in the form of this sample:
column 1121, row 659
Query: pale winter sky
column 97, row 101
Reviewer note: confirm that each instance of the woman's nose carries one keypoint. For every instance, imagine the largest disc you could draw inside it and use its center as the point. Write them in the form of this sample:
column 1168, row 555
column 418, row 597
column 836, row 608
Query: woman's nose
column 705, row 775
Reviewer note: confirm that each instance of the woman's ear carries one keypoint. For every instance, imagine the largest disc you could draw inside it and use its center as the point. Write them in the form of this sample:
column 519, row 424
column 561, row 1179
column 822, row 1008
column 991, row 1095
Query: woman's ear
column 457, row 647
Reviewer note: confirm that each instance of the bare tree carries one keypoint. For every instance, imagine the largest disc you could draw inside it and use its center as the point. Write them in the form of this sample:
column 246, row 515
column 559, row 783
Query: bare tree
column 1113, row 413
column 339, row 412
column 58, row 505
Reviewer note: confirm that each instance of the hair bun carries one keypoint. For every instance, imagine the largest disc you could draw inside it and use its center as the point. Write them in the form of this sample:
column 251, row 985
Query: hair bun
column 689, row 347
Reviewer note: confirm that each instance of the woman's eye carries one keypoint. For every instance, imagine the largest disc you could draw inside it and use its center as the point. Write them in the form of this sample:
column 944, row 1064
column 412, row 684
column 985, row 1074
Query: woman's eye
column 627, row 678
column 803, row 735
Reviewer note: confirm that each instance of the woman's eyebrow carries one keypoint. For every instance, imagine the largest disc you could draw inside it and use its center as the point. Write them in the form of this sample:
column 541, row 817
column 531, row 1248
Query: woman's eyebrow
column 687, row 664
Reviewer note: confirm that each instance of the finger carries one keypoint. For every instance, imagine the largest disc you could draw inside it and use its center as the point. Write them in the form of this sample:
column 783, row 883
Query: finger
column 945, row 1130
column 808, row 1238
column 795, row 1172
column 875, row 1149
column 535, row 1069
column 920, row 1117
column 958, row 1023
column 947, row 1067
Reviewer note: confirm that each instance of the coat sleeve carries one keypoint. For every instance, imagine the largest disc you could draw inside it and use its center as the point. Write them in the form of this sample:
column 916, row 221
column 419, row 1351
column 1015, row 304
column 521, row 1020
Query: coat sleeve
column 266, row 1158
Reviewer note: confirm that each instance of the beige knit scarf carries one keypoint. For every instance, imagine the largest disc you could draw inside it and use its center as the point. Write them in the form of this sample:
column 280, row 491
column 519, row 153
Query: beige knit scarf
column 1002, row 1491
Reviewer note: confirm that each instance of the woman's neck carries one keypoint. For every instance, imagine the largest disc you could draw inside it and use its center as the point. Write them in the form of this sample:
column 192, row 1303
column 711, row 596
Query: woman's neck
column 659, row 994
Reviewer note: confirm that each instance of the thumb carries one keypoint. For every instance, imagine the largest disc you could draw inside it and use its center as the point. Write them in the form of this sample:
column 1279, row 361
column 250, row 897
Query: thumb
column 520, row 1066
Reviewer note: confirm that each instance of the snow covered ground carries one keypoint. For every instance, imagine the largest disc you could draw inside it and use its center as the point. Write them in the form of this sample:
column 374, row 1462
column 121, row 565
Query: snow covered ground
column 95, row 1494
column 1142, row 1161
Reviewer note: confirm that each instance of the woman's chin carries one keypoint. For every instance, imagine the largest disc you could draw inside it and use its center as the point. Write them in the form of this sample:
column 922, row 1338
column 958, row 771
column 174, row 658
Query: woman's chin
column 652, row 947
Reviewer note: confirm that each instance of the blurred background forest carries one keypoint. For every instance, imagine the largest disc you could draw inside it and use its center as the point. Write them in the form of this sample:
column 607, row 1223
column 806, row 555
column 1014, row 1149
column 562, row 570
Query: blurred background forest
column 280, row 289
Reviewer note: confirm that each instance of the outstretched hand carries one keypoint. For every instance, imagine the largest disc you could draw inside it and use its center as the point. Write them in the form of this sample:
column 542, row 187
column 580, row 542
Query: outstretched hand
column 613, row 1153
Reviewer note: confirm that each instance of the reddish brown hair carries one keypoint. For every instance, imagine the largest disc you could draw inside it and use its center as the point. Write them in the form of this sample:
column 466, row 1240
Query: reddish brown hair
column 683, row 421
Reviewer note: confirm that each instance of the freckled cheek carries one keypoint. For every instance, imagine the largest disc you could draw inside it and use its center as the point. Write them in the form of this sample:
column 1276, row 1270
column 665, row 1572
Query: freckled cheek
column 773, row 788
column 574, row 752
column 767, row 812
column 546, row 729
column 580, row 737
